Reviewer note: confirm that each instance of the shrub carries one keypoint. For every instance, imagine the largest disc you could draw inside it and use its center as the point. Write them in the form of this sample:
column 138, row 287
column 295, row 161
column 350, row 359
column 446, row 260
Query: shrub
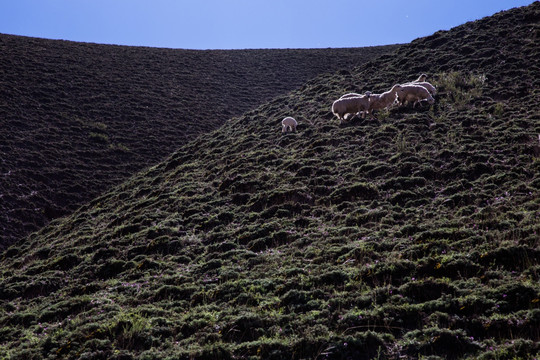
column 460, row 88
column 131, row 331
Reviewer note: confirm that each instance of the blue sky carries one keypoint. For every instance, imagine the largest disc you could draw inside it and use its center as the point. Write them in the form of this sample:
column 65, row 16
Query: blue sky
column 240, row 24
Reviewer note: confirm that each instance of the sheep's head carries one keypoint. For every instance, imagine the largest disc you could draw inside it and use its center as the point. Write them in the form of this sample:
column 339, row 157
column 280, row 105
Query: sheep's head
column 422, row 78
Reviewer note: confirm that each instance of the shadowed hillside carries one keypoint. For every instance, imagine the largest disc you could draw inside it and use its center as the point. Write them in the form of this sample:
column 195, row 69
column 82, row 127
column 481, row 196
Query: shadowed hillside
column 411, row 236
column 77, row 118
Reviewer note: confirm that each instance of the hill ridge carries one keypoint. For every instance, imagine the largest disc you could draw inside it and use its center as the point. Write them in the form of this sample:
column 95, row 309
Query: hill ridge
column 412, row 235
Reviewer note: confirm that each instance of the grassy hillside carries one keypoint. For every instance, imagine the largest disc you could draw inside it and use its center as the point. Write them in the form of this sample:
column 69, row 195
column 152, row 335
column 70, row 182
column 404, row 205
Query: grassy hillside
column 78, row 118
column 411, row 236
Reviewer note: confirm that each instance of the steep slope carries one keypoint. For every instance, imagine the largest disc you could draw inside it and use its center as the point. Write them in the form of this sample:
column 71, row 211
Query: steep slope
column 77, row 118
column 412, row 235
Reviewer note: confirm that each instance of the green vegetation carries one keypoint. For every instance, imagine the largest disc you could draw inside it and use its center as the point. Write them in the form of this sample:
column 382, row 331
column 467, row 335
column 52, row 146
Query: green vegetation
column 460, row 89
column 413, row 237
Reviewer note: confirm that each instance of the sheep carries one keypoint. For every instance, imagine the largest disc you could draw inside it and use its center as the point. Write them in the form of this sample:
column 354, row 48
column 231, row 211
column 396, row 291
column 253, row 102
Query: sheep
column 384, row 100
column 288, row 124
column 349, row 95
column 350, row 105
column 414, row 93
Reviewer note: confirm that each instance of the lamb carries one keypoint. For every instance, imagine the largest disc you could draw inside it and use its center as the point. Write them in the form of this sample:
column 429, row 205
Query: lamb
column 351, row 104
column 384, row 100
column 288, row 124
column 415, row 93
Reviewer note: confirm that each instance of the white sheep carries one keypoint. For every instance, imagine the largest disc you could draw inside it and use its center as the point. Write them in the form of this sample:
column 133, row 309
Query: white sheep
column 349, row 95
column 288, row 124
column 415, row 93
column 350, row 105
column 384, row 100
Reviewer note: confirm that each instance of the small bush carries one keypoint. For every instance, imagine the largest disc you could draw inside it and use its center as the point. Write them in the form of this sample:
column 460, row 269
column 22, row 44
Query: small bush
column 131, row 331
column 459, row 88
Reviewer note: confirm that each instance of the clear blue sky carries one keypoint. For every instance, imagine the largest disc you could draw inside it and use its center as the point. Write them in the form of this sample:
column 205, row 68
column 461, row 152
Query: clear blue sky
column 240, row 24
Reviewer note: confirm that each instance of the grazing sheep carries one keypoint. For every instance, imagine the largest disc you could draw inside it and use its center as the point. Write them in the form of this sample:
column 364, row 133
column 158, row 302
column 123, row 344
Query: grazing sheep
column 415, row 93
column 349, row 95
column 288, row 124
column 384, row 100
column 350, row 105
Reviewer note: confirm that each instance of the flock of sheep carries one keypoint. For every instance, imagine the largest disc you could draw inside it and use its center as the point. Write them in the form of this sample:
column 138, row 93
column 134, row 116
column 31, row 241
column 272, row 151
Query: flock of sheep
column 352, row 103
